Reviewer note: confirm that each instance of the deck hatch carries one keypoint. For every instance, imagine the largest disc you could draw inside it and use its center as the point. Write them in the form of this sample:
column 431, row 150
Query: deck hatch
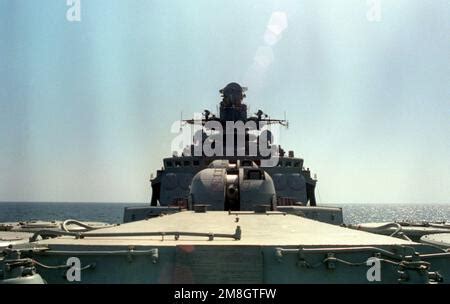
column 218, row 264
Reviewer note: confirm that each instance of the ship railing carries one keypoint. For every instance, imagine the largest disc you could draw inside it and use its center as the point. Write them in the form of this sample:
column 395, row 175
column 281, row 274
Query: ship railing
column 177, row 234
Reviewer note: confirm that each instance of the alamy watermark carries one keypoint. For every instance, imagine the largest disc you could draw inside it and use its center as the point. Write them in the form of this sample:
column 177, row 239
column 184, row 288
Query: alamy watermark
column 374, row 272
column 238, row 139
column 73, row 13
column 373, row 10
column 73, row 273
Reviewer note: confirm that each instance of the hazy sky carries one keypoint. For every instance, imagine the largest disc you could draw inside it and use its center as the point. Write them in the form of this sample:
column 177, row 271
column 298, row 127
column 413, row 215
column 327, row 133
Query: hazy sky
column 86, row 107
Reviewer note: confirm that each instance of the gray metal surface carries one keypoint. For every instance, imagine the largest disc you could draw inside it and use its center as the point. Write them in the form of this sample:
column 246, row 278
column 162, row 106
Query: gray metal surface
column 439, row 239
column 267, row 229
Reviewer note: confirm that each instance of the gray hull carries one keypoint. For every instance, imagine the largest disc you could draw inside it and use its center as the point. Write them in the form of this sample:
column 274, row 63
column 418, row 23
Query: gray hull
column 189, row 247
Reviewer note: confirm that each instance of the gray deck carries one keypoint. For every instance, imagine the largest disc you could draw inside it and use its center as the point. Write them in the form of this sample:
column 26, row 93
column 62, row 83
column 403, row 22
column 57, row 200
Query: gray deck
column 270, row 229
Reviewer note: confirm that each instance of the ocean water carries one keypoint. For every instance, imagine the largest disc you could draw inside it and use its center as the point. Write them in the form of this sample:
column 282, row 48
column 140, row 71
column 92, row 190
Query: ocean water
column 113, row 212
column 101, row 212
column 362, row 213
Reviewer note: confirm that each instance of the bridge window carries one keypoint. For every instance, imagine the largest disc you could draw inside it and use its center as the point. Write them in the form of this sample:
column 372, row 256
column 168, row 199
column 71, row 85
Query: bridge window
column 169, row 164
column 187, row 163
column 196, row 163
column 246, row 163
column 254, row 175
